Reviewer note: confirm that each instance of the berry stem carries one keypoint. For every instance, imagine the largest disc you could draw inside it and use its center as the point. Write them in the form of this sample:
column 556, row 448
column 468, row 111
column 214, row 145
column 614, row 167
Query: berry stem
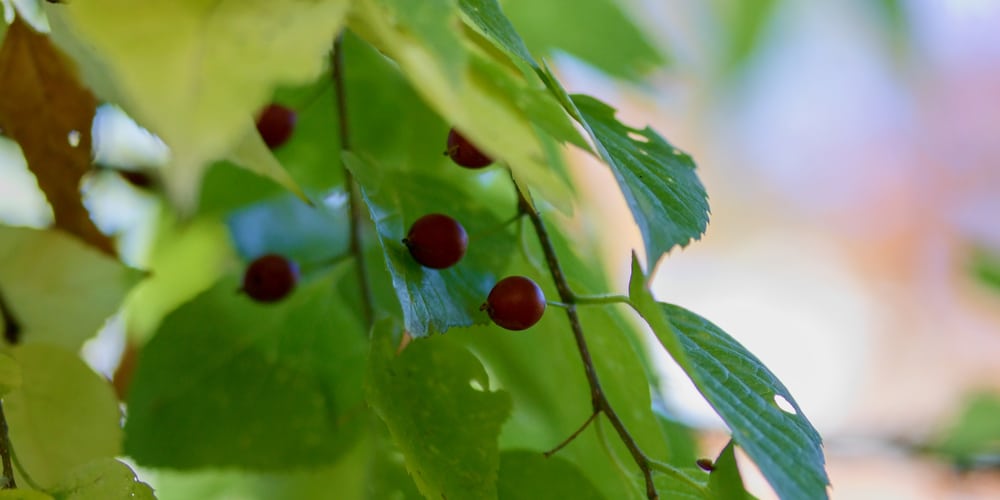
column 8, row 468
column 572, row 436
column 598, row 398
column 353, row 198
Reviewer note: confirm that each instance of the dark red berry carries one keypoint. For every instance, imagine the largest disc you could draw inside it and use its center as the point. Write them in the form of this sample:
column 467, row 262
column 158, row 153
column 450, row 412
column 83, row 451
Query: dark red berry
column 705, row 464
column 276, row 124
column 270, row 278
column 515, row 303
column 464, row 153
column 436, row 241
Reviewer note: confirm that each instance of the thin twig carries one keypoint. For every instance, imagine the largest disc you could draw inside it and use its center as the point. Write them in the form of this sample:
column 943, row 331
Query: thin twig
column 353, row 198
column 572, row 436
column 11, row 326
column 5, row 449
column 598, row 399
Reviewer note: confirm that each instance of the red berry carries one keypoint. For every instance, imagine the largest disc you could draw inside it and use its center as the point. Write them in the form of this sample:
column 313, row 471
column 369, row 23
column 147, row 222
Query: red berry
column 515, row 303
column 275, row 124
column 270, row 278
column 464, row 153
column 436, row 241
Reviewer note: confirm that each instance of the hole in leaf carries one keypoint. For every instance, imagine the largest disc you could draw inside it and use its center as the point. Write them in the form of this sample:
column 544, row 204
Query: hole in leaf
column 637, row 137
column 475, row 384
column 74, row 138
column 784, row 405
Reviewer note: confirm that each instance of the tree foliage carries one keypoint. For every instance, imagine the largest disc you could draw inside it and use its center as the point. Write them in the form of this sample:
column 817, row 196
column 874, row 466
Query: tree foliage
column 375, row 377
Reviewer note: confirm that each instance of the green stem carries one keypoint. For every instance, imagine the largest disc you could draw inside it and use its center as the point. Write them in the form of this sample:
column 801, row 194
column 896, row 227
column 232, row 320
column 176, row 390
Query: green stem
column 353, row 196
column 599, row 400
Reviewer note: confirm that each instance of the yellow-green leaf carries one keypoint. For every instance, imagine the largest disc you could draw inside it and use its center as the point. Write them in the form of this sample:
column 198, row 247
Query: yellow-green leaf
column 194, row 72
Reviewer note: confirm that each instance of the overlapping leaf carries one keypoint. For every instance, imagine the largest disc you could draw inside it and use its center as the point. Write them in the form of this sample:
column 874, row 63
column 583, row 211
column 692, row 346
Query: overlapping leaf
column 526, row 475
column 599, row 32
column 453, row 86
column 725, row 480
column 444, row 425
column 49, row 113
column 64, row 415
column 229, row 377
column 743, row 391
column 106, row 478
column 193, row 72
column 44, row 271
column 433, row 300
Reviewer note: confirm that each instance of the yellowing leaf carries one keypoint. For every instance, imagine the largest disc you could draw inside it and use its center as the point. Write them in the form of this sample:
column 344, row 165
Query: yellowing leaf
column 63, row 416
column 46, row 110
column 192, row 71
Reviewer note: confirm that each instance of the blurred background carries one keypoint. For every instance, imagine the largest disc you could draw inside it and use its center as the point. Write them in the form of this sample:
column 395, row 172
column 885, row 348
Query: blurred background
column 851, row 152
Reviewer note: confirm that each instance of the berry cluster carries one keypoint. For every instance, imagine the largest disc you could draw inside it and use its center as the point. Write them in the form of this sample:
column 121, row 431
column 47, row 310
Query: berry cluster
column 435, row 241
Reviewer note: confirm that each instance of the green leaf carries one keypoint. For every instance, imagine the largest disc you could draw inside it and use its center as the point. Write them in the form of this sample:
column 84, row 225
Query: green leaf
column 189, row 80
column 659, row 181
column 526, row 475
column 488, row 18
column 975, row 432
column 433, row 300
column 44, row 271
column 742, row 24
column 310, row 236
column 436, row 401
column 783, row 444
column 725, row 481
column 19, row 494
column 985, row 266
column 10, row 374
column 64, row 415
column 229, row 377
column 598, row 32
column 106, row 478
column 469, row 100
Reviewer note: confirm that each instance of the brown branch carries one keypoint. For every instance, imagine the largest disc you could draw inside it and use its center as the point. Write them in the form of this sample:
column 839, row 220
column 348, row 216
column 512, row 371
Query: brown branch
column 5, row 449
column 598, row 398
column 353, row 199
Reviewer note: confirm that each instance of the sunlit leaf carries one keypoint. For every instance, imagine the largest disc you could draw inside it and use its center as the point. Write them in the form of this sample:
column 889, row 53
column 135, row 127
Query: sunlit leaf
column 49, row 114
column 433, row 300
column 23, row 494
column 63, row 416
column 60, row 290
column 106, row 478
column 782, row 442
column 436, row 399
column 10, row 374
column 195, row 73
column 229, row 377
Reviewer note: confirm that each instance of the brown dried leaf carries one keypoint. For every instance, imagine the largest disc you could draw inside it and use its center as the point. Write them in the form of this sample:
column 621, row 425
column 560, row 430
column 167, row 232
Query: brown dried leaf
column 41, row 104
